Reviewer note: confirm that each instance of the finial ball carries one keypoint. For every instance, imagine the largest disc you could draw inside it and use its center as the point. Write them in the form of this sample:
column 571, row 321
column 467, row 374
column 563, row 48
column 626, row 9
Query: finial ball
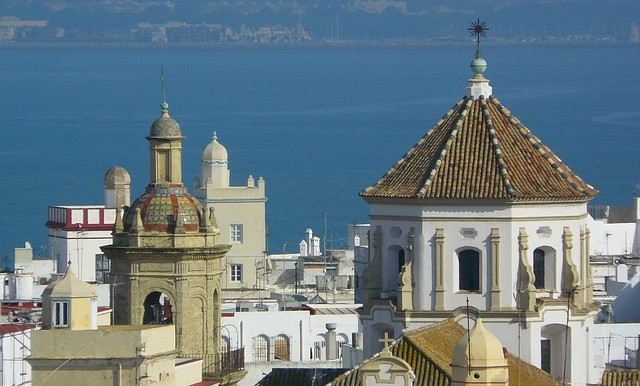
column 478, row 65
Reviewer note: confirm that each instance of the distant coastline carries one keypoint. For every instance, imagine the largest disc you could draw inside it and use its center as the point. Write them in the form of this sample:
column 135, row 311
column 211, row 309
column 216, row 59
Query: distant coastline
column 313, row 44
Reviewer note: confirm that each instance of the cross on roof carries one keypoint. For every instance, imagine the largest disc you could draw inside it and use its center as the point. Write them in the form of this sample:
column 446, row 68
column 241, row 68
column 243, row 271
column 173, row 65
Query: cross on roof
column 386, row 341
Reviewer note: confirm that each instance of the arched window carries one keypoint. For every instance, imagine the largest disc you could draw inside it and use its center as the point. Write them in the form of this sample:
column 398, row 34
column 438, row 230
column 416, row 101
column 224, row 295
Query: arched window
column 469, row 270
column 281, row 348
column 538, row 268
column 261, row 348
column 544, row 268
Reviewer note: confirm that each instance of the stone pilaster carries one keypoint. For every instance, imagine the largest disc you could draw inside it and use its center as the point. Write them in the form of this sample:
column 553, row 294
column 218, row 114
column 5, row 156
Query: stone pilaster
column 587, row 243
column 526, row 289
column 571, row 285
column 495, row 269
column 371, row 277
column 405, row 277
column 439, row 268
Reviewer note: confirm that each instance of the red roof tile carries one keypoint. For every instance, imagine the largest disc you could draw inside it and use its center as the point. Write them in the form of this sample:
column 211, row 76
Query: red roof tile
column 13, row 328
column 478, row 150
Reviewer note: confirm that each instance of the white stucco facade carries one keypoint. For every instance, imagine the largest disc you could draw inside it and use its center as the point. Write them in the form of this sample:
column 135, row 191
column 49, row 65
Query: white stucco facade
column 415, row 233
column 304, row 332
column 16, row 345
column 240, row 212
column 76, row 234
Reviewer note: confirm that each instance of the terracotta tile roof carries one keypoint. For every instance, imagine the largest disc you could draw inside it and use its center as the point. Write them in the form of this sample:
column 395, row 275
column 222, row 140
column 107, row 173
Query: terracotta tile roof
column 300, row 376
column 429, row 350
column 478, row 150
column 620, row 378
column 13, row 328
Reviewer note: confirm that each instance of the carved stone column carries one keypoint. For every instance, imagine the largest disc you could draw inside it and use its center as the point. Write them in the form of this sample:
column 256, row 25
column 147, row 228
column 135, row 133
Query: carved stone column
column 371, row 285
column 526, row 289
column 405, row 277
column 495, row 269
column 584, row 262
column 570, row 275
column 439, row 269
column 589, row 289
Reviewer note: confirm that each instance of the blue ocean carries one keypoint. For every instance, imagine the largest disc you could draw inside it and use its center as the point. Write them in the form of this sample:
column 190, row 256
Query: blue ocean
column 319, row 124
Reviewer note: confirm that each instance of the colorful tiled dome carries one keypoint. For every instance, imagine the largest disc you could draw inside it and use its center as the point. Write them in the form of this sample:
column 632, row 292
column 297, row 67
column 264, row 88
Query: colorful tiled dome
column 165, row 209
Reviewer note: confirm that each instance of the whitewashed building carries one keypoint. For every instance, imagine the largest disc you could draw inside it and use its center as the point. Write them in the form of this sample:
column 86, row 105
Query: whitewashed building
column 615, row 230
column 240, row 212
column 311, row 336
column 76, row 232
column 480, row 211
column 16, row 345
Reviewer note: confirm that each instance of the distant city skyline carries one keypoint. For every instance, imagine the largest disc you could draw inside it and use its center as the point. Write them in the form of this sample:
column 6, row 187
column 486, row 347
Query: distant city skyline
column 311, row 21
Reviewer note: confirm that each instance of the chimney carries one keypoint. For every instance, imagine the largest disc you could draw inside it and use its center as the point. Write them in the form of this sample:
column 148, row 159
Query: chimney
column 332, row 344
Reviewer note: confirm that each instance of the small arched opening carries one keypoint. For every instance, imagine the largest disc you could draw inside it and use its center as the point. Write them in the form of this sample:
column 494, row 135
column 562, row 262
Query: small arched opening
column 281, row 348
column 555, row 350
column 318, row 350
column 396, row 260
column 261, row 348
column 157, row 309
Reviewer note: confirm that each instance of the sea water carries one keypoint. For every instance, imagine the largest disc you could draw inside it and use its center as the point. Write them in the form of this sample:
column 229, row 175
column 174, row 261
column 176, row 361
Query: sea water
column 318, row 124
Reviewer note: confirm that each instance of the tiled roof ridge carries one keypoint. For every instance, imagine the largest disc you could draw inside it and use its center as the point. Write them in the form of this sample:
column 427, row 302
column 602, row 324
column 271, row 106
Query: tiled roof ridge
column 462, row 115
column 425, row 354
column 413, row 149
column 497, row 151
column 556, row 163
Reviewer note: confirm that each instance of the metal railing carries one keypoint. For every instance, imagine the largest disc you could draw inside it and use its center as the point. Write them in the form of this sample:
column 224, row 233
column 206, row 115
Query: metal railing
column 220, row 364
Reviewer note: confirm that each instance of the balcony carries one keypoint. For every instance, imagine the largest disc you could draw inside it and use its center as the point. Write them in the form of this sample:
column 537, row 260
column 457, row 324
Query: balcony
column 217, row 366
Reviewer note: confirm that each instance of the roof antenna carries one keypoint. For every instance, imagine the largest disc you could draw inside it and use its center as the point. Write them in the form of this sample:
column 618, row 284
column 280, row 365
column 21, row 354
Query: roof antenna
column 478, row 29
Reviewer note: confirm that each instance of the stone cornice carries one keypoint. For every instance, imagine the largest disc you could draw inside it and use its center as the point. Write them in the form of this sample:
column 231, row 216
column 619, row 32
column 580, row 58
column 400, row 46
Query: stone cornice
column 463, row 202
column 145, row 253
column 477, row 219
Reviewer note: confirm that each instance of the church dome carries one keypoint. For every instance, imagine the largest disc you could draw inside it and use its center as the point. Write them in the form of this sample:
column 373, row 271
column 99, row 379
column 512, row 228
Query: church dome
column 215, row 151
column 165, row 126
column 486, row 349
column 117, row 175
column 165, row 209
column 480, row 151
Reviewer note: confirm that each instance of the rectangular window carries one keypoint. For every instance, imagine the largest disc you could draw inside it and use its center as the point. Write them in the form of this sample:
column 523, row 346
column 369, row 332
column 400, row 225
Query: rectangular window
column 235, row 234
column 60, row 314
column 545, row 355
column 538, row 268
column 103, row 266
column 236, row 272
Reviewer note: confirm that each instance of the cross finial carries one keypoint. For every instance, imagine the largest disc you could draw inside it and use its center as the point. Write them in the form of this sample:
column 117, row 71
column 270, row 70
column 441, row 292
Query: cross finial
column 386, row 341
column 478, row 29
